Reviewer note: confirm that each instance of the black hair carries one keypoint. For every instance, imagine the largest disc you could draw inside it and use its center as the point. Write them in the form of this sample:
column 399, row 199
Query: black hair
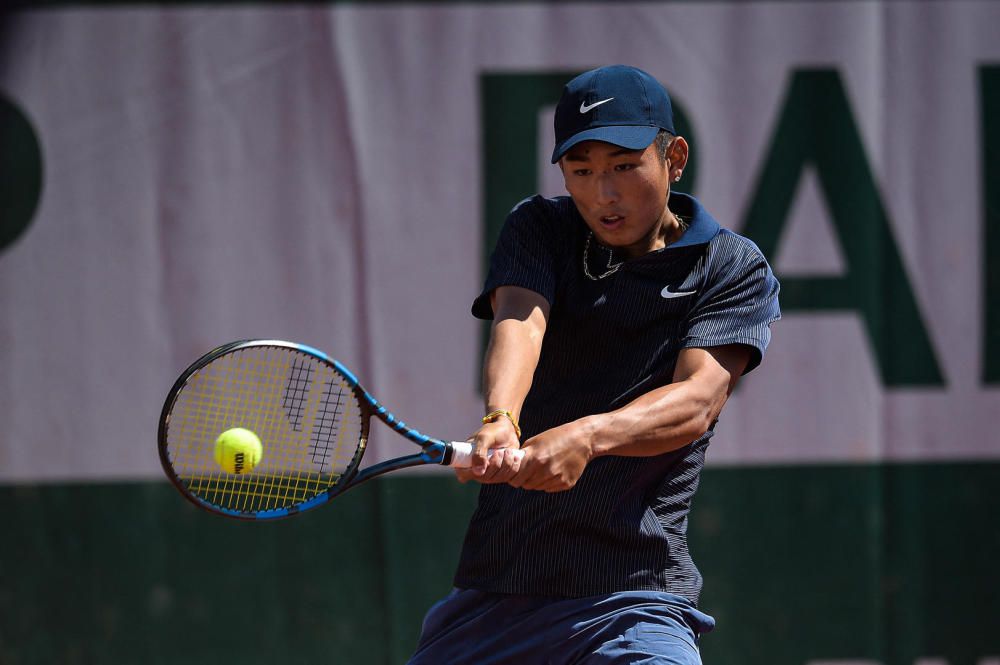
column 662, row 142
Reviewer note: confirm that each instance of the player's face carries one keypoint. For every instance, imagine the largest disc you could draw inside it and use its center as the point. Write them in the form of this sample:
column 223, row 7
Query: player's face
column 621, row 194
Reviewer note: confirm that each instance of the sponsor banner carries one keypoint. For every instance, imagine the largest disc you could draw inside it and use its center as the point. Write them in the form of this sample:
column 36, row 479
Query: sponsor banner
column 173, row 178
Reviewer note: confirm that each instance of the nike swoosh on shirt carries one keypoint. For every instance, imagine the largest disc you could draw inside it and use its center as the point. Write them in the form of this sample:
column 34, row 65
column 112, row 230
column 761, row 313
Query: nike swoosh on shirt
column 667, row 293
column 584, row 108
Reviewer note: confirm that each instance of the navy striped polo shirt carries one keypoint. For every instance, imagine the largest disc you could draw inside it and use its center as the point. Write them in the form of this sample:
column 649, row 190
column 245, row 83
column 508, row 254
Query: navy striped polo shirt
column 623, row 527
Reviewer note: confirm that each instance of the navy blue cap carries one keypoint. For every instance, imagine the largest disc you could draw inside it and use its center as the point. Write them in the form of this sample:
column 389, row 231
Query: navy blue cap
column 616, row 104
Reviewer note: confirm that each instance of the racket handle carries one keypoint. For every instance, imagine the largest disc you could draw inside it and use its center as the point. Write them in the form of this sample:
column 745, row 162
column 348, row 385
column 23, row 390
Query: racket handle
column 461, row 456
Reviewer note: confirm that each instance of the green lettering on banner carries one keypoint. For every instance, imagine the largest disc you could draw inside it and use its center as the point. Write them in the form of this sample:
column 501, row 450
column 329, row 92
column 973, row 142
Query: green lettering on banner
column 20, row 172
column 817, row 128
column 989, row 91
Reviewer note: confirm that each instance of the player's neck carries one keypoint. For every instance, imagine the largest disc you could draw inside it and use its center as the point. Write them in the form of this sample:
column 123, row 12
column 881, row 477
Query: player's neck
column 670, row 231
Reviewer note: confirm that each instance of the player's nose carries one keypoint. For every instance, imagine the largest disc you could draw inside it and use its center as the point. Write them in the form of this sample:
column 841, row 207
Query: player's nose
column 606, row 191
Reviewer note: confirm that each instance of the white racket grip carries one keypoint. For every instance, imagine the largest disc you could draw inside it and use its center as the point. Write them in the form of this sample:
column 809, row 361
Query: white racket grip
column 461, row 456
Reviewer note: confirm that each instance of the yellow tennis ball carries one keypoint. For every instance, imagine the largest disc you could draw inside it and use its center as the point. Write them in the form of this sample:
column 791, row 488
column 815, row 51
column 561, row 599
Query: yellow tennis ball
column 238, row 450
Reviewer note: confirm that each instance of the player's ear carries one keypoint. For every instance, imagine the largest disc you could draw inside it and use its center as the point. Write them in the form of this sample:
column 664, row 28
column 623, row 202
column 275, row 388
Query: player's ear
column 677, row 157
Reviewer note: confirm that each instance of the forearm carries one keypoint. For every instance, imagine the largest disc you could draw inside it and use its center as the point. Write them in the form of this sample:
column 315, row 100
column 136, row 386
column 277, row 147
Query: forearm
column 674, row 415
column 510, row 363
column 515, row 346
column 658, row 422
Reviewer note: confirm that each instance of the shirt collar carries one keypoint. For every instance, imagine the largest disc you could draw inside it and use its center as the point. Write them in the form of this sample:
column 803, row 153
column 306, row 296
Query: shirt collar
column 702, row 227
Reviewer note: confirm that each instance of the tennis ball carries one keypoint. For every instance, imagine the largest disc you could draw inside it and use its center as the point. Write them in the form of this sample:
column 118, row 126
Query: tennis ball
column 238, row 450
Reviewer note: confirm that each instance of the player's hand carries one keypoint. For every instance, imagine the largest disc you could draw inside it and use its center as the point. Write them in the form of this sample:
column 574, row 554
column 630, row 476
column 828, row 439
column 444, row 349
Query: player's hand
column 555, row 459
column 498, row 466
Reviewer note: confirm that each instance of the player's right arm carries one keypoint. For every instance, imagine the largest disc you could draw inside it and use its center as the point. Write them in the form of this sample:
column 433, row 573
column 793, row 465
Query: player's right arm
column 520, row 318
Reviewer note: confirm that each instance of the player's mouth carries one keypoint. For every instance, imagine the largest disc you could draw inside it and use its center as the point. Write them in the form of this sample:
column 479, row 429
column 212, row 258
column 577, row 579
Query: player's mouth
column 612, row 222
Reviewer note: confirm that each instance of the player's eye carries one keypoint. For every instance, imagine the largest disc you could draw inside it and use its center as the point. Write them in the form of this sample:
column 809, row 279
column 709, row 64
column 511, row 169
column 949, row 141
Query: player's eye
column 581, row 172
column 628, row 166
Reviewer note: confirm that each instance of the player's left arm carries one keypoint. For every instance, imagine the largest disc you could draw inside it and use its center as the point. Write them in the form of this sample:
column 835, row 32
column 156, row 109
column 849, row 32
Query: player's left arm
column 657, row 422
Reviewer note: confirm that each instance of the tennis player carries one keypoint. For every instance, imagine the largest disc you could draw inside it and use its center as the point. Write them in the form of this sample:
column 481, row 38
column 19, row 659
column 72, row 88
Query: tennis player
column 623, row 316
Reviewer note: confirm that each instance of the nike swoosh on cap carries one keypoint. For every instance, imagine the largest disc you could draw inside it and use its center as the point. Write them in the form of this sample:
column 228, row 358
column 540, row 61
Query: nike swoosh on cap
column 585, row 108
column 667, row 293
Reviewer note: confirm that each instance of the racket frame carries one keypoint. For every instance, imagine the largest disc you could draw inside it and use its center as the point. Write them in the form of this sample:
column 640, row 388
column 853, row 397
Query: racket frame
column 433, row 451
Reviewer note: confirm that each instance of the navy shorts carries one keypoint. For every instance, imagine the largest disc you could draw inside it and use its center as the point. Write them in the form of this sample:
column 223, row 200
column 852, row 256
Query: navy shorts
column 627, row 627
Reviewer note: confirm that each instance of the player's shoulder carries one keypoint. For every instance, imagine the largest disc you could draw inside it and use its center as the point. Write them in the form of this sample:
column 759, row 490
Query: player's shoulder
column 729, row 244
column 542, row 214
column 731, row 257
column 556, row 207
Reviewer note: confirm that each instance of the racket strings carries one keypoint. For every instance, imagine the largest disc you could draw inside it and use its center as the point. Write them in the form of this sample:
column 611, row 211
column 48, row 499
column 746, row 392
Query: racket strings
column 299, row 379
column 328, row 425
column 304, row 412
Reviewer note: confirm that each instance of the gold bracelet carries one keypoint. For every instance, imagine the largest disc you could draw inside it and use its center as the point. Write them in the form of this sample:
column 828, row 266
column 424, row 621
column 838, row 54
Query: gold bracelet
column 492, row 416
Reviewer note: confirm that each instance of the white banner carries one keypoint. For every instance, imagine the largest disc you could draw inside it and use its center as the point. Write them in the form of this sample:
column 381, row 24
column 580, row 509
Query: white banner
column 317, row 174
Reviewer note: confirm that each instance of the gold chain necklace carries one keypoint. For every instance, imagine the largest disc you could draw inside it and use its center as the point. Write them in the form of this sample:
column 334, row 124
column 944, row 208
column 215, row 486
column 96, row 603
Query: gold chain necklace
column 612, row 268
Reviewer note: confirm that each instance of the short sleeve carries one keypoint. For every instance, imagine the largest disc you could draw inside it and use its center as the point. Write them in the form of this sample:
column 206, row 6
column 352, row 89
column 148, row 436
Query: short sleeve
column 739, row 303
column 525, row 255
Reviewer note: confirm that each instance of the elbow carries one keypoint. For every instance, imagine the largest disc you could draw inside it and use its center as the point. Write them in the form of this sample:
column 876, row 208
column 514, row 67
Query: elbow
column 536, row 331
column 698, row 426
column 705, row 414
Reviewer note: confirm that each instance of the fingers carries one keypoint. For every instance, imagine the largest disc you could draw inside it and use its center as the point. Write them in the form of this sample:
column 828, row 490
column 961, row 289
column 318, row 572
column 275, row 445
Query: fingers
column 495, row 456
column 494, row 462
column 465, row 475
column 541, row 472
column 491, row 437
column 480, row 457
column 520, row 467
column 532, row 474
column 542, row 483
column 502, row 465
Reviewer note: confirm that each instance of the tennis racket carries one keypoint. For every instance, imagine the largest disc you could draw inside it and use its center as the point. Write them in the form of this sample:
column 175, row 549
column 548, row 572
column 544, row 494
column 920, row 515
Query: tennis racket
column 310, row 414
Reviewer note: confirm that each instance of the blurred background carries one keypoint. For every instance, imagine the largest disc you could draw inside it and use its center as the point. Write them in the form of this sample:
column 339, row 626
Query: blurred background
column 177, row 175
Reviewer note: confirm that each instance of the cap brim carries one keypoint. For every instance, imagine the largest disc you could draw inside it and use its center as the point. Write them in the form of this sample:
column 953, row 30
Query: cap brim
column 625, row 136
